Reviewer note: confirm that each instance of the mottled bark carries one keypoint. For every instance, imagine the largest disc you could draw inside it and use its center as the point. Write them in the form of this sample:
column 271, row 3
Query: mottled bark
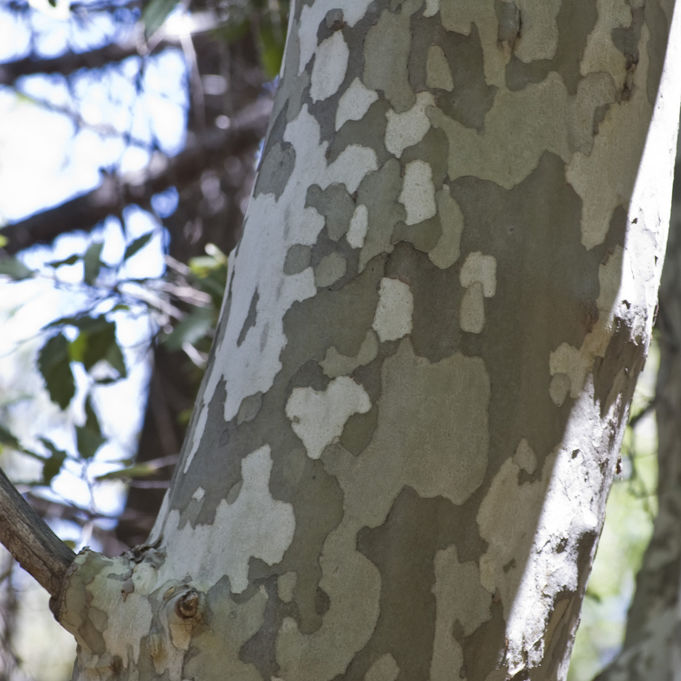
column 651, row 647
column 398, row 464
column 210, row 210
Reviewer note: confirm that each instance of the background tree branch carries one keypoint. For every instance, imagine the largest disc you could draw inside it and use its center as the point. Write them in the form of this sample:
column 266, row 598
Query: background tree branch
column 29, row 539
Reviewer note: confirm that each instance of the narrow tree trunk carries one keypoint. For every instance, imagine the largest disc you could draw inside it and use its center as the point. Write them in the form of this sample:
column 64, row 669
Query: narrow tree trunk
column 398, row 464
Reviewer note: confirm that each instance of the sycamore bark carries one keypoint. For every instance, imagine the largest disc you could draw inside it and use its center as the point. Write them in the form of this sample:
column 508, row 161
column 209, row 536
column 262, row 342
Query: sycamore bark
column 399, row 459
column 651, row 646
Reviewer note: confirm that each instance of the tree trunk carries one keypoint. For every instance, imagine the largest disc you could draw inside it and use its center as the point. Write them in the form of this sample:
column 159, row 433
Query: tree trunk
column 398, row 464
column 651, row 646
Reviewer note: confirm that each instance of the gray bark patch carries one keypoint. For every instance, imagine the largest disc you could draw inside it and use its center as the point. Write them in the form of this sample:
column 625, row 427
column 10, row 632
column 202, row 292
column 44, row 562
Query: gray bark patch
column 249, row 322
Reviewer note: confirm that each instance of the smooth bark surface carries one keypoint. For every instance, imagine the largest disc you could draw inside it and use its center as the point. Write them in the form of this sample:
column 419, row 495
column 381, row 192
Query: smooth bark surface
column 651, row 649
column 398, row 465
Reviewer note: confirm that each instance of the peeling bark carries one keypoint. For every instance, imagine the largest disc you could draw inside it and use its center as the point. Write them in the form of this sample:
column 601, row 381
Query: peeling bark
column 399, row 459
column 650, row 651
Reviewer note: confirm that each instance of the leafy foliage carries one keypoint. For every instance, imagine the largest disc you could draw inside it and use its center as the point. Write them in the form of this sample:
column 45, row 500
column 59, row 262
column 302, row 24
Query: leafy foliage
column 54, row 363
column 89, row 339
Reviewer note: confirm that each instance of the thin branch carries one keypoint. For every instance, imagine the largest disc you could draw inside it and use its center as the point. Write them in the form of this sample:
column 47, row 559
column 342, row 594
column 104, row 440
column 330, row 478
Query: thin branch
column 70, row 62
column 85, row 211
column 32, row 543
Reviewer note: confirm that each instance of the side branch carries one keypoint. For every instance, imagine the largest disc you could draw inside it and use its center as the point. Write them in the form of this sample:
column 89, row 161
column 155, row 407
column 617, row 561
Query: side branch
column 85, row 211
column 32, row 543
column 69, row 62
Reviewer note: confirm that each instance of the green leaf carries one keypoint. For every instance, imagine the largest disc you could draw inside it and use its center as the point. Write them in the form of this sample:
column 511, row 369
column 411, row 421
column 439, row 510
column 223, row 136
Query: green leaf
column 15, row 269
column 197, row 324
column 97, row 342
column 137, row 244
column 71, row 260
column 91, row 262
column 54, row 363
column 155, row 14
column 53, row 464
column 89, row 436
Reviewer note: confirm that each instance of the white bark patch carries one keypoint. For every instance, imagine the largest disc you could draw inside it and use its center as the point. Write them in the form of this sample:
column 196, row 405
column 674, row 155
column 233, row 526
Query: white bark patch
column 406, row 129
column 318, row 417
column 611, row 165
column 482, row 269
column 559, row 388
column 571, row 507
column 122, row 621
column 352, row 164
column 418, row 192
column 459, row 598
column 479, row 277
column 525, row 457
column 254, row 526
column 567, row 360
column 334, row 364
column 448, row 248
column 260, row 261
column 286, row 585
column 539, row 30
column 432, row 8
column 354, row 103
column 384, row 669
column 438, row 73
column 472, row 312
column 393, row 318
column 507, row 517
column 359, row 223
column 330, row 66
column 258, row 265
column 313, row 15
column 601, row 53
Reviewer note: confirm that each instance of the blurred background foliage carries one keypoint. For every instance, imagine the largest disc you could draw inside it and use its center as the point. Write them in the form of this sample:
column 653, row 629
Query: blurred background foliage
column 127, row 151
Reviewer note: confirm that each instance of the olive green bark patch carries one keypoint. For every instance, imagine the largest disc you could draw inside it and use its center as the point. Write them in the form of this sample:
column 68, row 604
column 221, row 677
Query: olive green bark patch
column 658, row 24
column 297, row 259
column 249, row 322
column 417, row 528
column 335, row 204
column 575, row 20
column 533, row 232
column 276, row 169
column 471, row 97
column 379, row 191
column 385, row 62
